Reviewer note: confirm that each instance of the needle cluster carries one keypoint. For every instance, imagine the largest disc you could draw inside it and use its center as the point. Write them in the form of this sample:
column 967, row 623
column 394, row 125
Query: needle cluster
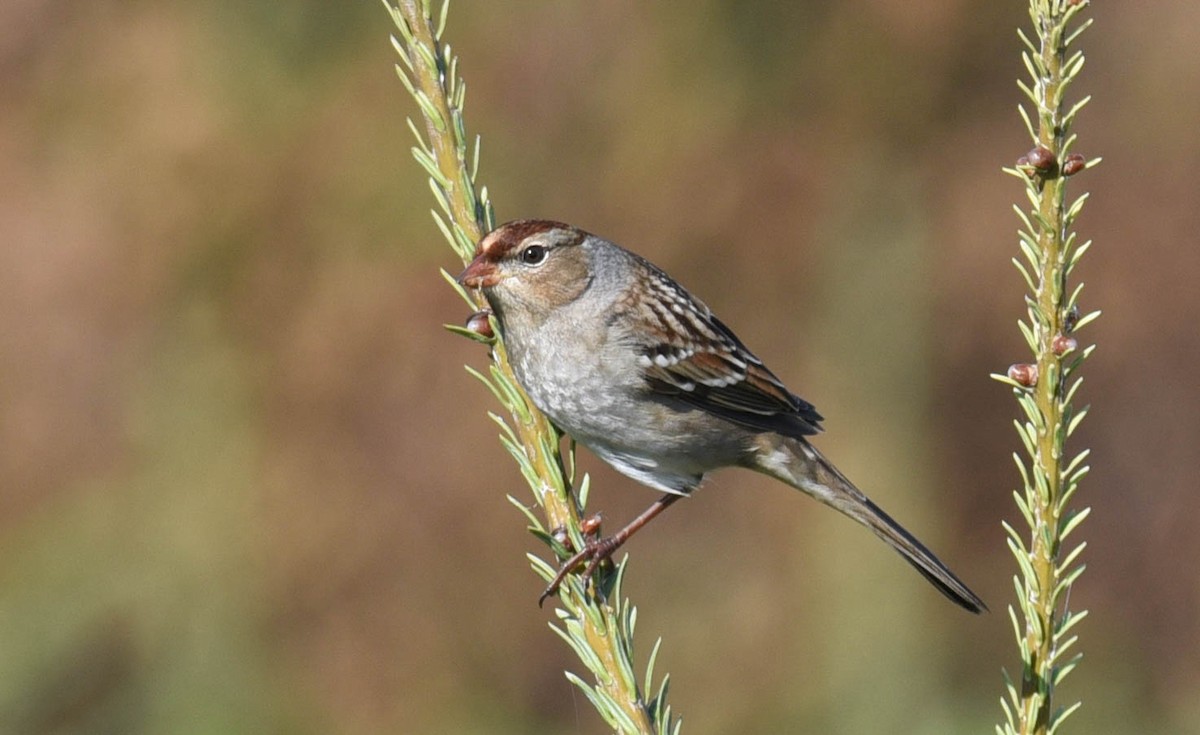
column 1046, row 387
column 597, row 626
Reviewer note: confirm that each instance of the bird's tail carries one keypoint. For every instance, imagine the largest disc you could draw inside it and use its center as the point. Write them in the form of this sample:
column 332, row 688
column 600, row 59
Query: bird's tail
column 800, row 465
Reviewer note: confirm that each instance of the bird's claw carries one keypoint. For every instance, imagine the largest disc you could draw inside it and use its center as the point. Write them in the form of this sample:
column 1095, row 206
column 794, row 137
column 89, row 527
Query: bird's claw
column 595, row 552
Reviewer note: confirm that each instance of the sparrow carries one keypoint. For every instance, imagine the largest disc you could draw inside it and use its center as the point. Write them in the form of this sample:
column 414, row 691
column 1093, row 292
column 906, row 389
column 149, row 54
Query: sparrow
column 632, row 366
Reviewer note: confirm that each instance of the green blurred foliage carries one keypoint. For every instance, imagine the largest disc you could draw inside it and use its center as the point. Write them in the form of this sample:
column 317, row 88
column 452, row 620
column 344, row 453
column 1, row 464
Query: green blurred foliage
column 246, row 487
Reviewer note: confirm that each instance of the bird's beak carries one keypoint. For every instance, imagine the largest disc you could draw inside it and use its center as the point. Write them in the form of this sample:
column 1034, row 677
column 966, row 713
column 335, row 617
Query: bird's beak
column 481, row 273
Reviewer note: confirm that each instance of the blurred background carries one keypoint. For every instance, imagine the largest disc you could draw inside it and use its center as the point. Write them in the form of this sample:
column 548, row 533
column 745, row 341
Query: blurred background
column 246, row 486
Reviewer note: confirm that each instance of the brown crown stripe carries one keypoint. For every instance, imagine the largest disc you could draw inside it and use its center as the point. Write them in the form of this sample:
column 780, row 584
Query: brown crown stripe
column 502, row 240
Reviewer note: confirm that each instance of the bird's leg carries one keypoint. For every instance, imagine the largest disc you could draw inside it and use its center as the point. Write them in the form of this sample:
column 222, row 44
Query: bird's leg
column 597, row 550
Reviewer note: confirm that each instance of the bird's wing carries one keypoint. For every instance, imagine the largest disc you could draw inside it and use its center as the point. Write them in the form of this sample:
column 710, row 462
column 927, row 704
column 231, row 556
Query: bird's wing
column 697, row 359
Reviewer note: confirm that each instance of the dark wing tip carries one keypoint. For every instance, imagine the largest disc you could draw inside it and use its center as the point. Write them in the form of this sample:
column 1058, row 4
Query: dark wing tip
column 958, row 594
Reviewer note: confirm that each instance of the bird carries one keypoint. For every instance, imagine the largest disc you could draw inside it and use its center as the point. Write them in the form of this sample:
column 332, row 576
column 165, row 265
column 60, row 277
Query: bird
column 628, row 363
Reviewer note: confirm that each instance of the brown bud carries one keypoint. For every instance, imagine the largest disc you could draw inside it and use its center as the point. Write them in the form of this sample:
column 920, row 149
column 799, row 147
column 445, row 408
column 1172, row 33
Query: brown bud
column 1063, row 344
column 1023, row 164
column 590, row 525
column 1024, row 373
column 1074, row 164
column 479, row 324
column 1042, row 159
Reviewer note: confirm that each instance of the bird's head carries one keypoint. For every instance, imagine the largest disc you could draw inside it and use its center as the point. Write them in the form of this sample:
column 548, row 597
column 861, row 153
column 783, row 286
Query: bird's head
column 531, row 266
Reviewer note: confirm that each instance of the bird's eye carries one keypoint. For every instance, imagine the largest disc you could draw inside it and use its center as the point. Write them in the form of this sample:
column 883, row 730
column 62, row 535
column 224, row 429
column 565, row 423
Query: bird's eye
column 534, row 255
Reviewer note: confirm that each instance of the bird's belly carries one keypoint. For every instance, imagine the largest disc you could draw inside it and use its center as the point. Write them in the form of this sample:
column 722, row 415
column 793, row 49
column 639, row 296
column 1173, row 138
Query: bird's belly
column 666, row 445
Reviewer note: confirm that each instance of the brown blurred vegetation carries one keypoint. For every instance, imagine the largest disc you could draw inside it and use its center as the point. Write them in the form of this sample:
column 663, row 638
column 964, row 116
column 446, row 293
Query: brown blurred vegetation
column 245, row 486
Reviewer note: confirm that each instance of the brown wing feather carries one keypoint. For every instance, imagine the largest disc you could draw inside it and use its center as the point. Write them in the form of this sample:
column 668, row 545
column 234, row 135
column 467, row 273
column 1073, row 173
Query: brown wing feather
column 701, row 362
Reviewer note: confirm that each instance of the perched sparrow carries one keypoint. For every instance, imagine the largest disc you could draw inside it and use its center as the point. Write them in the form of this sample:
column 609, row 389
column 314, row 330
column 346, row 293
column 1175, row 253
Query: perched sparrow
column 632, row 366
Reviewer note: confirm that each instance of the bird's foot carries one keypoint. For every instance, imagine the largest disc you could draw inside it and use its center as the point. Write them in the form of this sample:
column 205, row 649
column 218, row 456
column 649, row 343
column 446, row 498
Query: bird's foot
column 595, row 552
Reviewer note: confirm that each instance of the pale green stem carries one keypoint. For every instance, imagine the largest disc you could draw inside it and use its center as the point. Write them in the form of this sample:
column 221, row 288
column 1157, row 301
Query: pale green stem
column 1045, row 396
column 597, row 625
